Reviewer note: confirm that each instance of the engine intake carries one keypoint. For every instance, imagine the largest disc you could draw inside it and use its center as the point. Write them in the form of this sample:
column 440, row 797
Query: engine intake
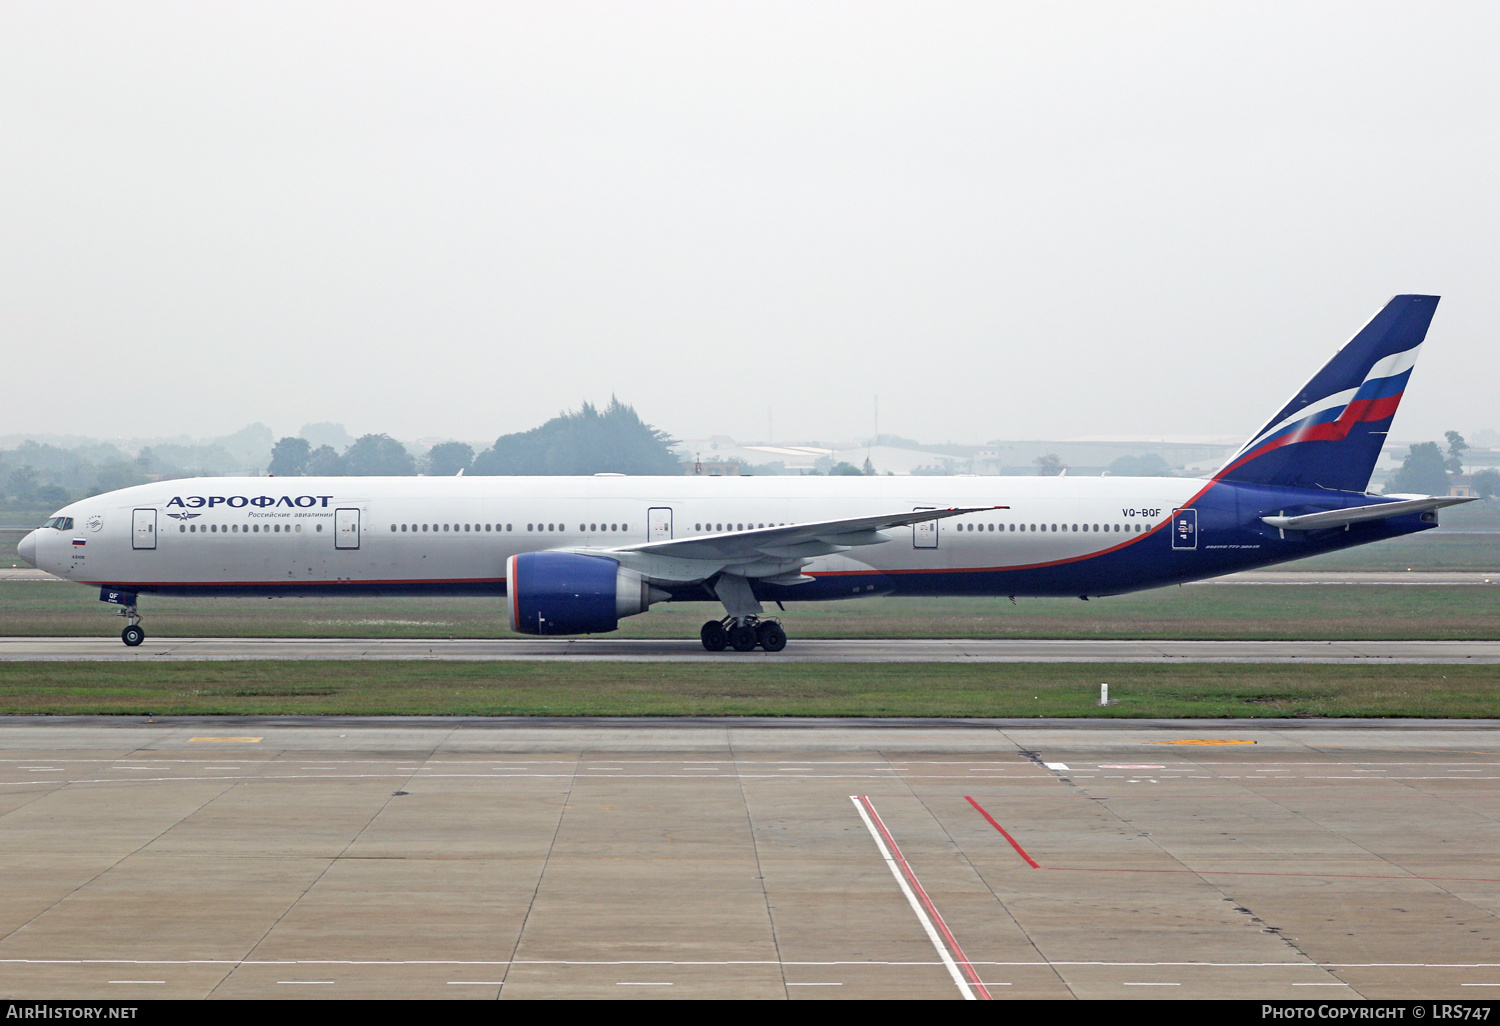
column 568, row 593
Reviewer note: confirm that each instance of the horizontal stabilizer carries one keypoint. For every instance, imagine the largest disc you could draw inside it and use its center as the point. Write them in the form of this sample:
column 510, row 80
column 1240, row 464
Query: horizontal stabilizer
column 1356, row 514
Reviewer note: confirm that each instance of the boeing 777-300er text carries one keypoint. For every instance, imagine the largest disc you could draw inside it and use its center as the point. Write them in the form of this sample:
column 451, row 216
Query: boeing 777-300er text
column 573, row 555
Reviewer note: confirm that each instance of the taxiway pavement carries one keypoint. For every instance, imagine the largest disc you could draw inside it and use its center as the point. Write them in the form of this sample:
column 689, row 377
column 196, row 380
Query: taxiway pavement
column 369, row 858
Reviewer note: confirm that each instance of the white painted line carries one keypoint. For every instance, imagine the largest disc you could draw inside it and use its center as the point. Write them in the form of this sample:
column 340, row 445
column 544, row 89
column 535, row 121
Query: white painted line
column 137, row 981
column 303, row 981
column 476, row 983
column 1479, row 984
column 1055, row 765
column 814, row 984
column 911, row 899
column 1151, row 984
column 1320, row 985
column 624, row 983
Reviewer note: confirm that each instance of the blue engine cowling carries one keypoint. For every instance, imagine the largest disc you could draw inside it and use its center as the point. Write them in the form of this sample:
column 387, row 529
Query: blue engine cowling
column 568, row 593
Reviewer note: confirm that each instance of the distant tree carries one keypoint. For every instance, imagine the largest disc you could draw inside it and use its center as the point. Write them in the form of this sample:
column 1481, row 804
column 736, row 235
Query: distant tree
column 1454, row 464
column 842, row 469
column 289, row 457
column 1149, row 465
column 1422, row 472
column 378, row 456
column 113, row 476
column 324, row 461
column 448, row 458
column 869, row 468
column 326, row 433
column 1486, row 483
column 1050, row 465
column 616, row 441
column 23, row 484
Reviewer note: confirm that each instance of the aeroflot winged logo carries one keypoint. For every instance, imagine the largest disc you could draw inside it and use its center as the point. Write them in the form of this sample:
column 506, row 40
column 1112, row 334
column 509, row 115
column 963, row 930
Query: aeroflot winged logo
column 258, row 501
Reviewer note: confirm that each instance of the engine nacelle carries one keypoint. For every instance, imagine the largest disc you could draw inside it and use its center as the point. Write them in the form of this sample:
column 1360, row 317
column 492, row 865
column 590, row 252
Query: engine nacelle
column 568, row 593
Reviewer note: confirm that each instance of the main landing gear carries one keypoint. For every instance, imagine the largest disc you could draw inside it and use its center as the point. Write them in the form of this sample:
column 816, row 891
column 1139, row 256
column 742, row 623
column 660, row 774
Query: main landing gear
column 743, row 634
column 132, row 635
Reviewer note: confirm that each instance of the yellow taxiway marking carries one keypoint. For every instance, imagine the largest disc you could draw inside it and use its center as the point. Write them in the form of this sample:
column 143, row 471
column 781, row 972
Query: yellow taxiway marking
column 226, row 739
column 1201, row 741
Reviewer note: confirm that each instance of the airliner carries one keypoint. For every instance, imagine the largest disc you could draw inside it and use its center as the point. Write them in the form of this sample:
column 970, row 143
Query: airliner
column 575, row 555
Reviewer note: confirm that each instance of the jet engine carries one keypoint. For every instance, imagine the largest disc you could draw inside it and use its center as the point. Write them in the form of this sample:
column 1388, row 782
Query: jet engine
column 569, row 593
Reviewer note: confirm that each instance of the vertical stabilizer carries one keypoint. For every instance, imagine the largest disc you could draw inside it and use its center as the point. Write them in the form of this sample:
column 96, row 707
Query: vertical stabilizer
column 1331, row 432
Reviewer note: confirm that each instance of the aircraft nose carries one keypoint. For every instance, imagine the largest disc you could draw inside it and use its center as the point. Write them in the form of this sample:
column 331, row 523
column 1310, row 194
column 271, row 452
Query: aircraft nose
column 26, row 548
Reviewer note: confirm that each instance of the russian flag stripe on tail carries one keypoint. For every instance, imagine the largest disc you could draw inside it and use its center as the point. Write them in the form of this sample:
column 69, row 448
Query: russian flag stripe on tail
column 1331, row 432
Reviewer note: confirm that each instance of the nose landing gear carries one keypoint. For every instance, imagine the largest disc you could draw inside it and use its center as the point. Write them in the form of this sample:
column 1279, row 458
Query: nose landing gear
column 743, row 634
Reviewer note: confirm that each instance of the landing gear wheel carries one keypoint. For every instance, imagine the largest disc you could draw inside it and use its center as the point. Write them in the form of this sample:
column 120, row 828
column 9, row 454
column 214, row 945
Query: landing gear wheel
column 715, row 638
column 132, row 635
column 771, row 636
column 742, row 637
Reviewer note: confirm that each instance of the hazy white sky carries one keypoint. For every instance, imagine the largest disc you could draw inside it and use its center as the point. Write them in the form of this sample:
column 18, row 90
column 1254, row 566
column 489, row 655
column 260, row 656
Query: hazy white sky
column 1005, row 219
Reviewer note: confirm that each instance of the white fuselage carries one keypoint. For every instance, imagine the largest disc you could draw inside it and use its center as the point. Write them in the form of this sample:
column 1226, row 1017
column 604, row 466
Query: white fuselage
column 460, row 530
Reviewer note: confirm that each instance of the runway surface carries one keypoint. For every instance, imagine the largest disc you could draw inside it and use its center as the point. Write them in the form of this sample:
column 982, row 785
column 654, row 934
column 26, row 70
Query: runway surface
column 813, row 650
column 743, row 859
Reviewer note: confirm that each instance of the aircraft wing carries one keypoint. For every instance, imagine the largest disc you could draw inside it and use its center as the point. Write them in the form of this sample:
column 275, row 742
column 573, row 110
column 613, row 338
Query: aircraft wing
column 766, row 553
column 1356, row 514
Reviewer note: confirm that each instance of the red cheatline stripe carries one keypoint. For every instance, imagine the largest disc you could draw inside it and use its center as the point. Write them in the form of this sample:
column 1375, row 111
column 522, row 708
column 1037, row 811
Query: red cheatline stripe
column 1003, row 833
column 916, row 885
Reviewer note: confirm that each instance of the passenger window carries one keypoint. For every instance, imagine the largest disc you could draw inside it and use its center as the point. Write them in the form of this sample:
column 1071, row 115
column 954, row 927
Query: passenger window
column 488, row 526
column 581, row 530
column 624, row 527
column 393, row 528
column 528, row 527
column 182, row 528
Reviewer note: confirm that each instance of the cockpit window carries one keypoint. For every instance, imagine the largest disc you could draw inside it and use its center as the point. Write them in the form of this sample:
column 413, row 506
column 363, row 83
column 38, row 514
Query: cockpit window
column 60, row 523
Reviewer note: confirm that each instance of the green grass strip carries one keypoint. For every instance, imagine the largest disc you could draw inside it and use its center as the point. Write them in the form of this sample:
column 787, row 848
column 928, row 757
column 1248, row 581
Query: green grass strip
column 760, row 688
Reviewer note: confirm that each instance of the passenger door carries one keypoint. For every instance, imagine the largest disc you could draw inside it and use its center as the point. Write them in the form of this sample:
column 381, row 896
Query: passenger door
column 143, row 529
column 659, row 524
column 346, row 528
column 925, row 534
column 1185, row 529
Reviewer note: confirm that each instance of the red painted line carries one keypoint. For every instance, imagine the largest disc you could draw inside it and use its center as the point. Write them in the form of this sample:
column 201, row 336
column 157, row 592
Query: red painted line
column 1211, row 872
column 1004, row 833
column 916, row 885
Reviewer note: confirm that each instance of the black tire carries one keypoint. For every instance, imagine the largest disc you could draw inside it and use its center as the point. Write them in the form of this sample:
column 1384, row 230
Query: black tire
column 771, row 636
column 743, row 638
column 132, row 636
column 714, row 637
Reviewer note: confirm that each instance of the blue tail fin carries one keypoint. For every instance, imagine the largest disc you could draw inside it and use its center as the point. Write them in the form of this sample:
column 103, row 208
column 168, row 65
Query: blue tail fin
column 1330, row 434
